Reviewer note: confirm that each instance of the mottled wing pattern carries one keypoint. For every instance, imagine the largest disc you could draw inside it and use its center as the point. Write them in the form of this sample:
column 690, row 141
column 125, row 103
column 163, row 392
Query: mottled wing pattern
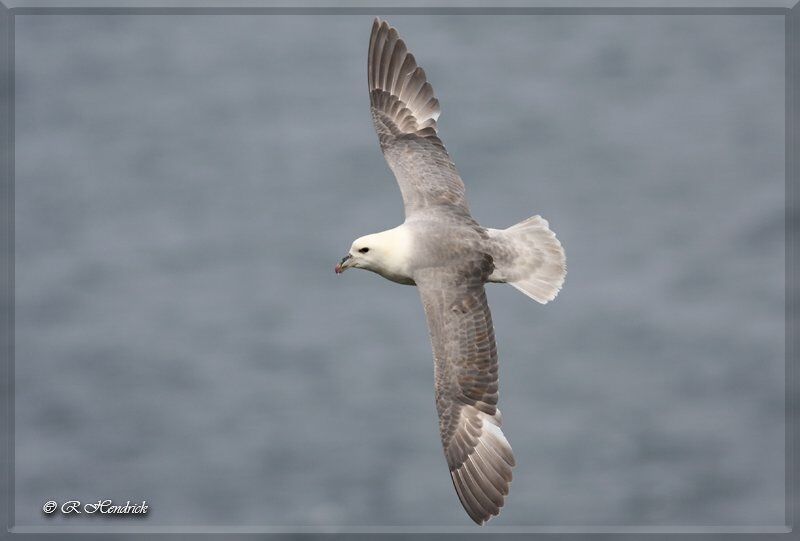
column 462, row 336
column 404, row 112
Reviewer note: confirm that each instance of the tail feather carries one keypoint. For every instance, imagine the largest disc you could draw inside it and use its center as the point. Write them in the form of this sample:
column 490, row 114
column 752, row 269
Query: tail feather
column 529, row 257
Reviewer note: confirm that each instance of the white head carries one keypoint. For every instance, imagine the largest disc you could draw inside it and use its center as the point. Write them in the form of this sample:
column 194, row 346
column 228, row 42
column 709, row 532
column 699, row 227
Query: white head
column 384, row 253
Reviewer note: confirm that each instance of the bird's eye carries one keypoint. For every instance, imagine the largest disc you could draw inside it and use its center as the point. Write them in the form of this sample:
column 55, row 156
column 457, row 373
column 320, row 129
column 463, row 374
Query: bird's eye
column 364, row 250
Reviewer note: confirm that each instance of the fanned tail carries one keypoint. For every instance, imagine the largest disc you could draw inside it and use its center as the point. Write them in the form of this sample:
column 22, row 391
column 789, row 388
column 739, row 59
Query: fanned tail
column 529, row 257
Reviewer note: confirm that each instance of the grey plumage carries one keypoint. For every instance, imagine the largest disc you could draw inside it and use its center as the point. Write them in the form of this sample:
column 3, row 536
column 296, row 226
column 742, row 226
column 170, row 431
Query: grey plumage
column 450, row 259
column 404, row 112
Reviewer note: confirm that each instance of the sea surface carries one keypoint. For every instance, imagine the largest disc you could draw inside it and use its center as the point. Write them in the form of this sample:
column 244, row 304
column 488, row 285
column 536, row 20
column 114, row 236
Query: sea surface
column 185, row 185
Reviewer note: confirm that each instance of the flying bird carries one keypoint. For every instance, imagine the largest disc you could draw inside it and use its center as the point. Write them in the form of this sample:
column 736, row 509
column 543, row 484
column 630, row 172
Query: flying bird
column 449, row 256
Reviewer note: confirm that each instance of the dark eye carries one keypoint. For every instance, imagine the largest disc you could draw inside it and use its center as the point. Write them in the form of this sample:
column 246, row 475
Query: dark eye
column 364, row 250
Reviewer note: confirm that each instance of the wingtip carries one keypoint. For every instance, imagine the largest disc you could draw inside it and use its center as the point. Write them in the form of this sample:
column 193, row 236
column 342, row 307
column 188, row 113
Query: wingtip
column 483, row 478
column 377, row 22
column 398, row 87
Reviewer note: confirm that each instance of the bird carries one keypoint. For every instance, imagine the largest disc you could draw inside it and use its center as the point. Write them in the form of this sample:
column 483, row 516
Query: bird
column 443, row 251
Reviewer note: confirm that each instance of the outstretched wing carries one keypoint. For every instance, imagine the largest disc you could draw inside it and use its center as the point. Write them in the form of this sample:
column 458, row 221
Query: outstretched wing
column 404, row 112
column 465, row 367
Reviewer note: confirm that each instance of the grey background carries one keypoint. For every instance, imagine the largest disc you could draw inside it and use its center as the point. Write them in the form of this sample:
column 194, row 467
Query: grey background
column 184, row 185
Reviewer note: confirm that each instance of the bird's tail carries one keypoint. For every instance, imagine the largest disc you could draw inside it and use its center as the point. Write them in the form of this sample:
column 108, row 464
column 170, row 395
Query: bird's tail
column 528, row 256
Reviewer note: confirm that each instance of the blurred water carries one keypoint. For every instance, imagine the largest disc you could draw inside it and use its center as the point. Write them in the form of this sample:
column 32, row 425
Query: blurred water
column 184, row 185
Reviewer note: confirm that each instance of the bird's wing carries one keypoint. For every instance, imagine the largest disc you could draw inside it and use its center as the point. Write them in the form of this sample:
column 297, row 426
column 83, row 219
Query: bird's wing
column 404, row 112
column 465, row 367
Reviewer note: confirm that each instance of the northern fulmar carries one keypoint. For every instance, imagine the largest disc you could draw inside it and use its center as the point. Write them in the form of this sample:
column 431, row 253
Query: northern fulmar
column 449, row 256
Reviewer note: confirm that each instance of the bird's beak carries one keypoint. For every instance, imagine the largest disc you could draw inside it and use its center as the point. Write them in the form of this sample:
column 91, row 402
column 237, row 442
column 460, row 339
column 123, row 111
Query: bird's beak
column 344, row 264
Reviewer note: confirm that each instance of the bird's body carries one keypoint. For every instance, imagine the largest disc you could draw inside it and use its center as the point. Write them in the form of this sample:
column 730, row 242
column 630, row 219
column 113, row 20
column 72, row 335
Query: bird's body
column 417, row 244
column 443, row 251
column 399, row 253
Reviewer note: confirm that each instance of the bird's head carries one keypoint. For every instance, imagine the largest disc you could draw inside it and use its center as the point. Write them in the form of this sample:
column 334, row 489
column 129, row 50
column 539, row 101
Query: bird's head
column 386, row 253
column 365, row 253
